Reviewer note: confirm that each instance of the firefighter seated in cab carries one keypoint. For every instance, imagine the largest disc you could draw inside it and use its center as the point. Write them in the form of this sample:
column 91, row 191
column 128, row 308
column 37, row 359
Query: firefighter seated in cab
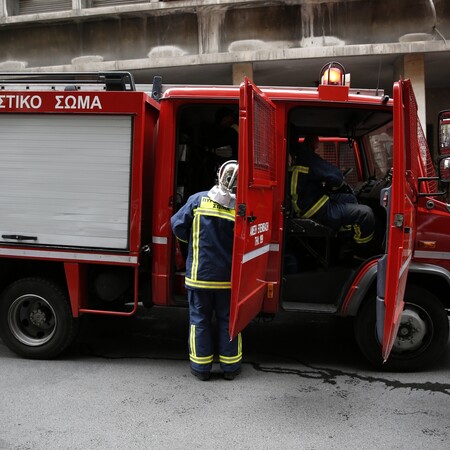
column 316, row 193
column 206, row 223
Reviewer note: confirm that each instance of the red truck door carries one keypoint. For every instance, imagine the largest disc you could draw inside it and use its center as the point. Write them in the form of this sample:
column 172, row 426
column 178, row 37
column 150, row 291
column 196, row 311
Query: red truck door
column 254, row 205
column 402, row 214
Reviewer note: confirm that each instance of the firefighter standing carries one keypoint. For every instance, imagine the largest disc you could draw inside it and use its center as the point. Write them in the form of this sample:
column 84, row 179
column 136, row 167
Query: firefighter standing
column 313, row 185
column 206, row 223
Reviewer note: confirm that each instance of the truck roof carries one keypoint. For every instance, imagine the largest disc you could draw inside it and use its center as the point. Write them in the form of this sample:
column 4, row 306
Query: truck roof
column 273, row 92
column 123, row 81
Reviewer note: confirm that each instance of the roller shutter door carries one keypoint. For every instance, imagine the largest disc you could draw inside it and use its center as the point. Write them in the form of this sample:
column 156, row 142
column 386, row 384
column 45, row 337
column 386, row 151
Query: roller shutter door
column 43, row 6
column 65, row 179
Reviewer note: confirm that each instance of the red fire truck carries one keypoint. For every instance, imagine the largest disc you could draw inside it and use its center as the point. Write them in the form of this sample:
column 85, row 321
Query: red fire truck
column 93, row 167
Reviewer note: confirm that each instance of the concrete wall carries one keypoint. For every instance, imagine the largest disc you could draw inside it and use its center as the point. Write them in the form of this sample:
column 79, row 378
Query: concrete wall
column 199, row 27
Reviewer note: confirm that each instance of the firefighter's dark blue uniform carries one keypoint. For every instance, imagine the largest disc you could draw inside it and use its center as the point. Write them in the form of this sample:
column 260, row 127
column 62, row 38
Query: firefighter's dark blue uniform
column 208, row 228
column 313, row 181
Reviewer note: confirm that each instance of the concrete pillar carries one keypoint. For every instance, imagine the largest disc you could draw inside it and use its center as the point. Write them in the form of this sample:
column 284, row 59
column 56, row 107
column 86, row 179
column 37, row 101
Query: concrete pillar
column 3, row 11
column 210, row 22
column 242, row 70
column 412, row 67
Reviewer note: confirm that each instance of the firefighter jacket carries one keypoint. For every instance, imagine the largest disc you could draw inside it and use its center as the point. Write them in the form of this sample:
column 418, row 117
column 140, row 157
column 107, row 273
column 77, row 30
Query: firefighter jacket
column 311, row 179
column 208, row 228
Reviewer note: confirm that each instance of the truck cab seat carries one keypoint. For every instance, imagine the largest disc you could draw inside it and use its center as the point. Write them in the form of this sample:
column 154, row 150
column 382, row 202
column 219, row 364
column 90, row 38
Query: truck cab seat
column 304, row 229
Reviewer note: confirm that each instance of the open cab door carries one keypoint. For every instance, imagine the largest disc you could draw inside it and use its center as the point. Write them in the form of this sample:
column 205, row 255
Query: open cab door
column 254, row 206
column 399, row 199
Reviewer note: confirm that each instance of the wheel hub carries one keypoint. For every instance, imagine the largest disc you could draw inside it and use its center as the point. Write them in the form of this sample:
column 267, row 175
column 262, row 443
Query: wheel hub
column 38, row 318
column 412, row 331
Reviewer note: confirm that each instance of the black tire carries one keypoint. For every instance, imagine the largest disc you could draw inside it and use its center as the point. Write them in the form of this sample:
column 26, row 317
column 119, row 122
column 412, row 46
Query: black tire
column 36, row 319
column 422, row 336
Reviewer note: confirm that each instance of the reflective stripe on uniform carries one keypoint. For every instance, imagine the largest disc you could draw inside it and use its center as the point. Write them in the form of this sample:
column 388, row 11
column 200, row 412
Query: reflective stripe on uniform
column 201, row 359
column 195, row 244
column 207, row 208
column 233, row 359
column 207, row 284
column 294, row 195
column 294, row 180
column 357, row 236
column 193, row 350
column 313, row 210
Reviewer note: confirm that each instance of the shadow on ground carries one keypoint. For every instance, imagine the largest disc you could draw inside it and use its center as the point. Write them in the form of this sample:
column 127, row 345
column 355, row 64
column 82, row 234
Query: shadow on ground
column 161, row 333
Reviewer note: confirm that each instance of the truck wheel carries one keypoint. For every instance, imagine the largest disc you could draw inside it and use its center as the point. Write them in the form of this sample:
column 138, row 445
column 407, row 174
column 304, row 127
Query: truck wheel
column 422, row 336
column 35, row 319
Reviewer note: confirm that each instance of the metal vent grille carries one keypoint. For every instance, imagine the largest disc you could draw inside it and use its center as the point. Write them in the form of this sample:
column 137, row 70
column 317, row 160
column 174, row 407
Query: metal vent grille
column 327, row 151
column 264, row 139
column 347, row 161
column 43, row 6
column 341, row 155
column 416, row 139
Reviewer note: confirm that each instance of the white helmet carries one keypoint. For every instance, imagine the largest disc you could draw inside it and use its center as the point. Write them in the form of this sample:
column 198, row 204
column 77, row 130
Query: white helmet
column 224, row 192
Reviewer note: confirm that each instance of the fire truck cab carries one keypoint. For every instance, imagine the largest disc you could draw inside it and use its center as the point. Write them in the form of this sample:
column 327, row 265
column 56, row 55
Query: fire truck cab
column 131, row 159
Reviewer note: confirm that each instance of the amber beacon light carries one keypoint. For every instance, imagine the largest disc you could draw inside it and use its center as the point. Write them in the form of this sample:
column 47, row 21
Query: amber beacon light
column 332, row 74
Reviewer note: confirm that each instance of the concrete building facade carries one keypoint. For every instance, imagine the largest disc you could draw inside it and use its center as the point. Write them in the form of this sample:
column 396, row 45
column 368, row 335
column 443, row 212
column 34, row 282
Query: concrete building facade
column 274, row 42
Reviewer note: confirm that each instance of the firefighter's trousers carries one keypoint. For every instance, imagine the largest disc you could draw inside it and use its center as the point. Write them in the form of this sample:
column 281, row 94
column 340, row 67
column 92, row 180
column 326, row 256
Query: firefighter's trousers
column 202, row 304
column 344, row 210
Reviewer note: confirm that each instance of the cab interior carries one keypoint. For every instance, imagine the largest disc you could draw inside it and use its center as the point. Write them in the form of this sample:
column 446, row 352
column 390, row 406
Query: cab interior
column 318, row 262
column 357, row 140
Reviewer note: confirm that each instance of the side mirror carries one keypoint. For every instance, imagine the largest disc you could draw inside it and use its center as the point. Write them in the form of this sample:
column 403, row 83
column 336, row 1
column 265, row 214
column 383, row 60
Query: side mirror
column 444, row 169
column 444, row 133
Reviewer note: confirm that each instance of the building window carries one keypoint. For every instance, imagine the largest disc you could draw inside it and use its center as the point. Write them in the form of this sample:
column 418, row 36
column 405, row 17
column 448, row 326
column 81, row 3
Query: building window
column 43, row 6
column 99, row 3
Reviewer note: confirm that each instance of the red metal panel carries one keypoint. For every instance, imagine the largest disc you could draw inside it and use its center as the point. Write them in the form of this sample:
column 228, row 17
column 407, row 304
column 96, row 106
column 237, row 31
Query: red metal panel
column 254, row 217
column 401, row 223
column 137, row 104
column 74, row 102
column 163, row 206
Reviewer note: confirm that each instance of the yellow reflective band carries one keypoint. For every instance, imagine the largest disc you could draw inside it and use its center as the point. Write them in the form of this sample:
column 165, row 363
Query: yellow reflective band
column 220, row 214
column 230, row 359
column 193, row 351
column 209, row 207
column 294, row 181
column 207, row 284
column 359, row 240
column 233, row 359
column 357, row 236
column 316, row 207
column 202, row 359
column 195, row 245
column 300, row 169
column 294, row 195
column 357, row 232
column 239, row 343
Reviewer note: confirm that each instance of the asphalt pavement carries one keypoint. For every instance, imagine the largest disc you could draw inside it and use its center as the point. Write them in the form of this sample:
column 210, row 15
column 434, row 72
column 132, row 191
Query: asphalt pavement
column 125, row 384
